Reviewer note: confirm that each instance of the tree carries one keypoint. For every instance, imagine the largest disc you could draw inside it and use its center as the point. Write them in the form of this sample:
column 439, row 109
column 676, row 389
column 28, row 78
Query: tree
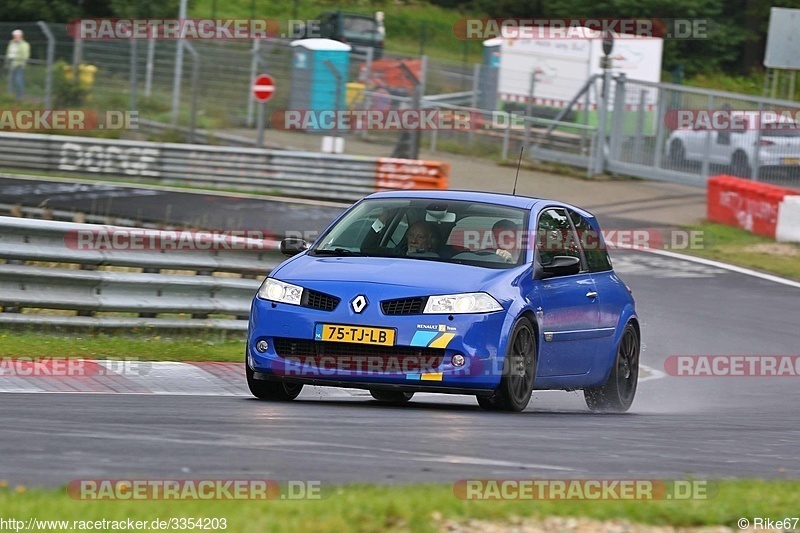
column 720, row 49
column 66, row 10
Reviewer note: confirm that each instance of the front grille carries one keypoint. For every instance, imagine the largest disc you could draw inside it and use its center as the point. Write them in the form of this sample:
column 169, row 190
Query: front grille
column 319, row 300
column 351, row 356
column 404, row 306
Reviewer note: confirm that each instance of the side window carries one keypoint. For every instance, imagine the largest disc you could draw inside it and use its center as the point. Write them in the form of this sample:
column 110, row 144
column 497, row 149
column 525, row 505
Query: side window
column 555, row 236
column 596, row 255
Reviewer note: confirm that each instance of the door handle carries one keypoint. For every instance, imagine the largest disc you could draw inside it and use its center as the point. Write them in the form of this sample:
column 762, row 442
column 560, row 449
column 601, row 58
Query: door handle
column 591, row 294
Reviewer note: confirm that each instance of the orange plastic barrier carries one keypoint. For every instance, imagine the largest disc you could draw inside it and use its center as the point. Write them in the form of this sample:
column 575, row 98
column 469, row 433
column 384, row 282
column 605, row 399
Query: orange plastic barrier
column 746, row 204
column 388, row 73
column 392, row 173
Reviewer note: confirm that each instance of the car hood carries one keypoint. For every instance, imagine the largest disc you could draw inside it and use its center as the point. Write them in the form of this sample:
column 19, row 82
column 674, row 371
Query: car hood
column 402, row 272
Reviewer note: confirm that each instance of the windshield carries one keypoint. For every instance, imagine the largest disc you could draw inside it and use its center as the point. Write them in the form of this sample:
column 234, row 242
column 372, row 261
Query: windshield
column 358, row 27
column 449, row 231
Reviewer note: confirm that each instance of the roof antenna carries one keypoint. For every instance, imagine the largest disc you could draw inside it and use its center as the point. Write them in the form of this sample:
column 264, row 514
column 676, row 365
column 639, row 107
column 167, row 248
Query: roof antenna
column 519, row 163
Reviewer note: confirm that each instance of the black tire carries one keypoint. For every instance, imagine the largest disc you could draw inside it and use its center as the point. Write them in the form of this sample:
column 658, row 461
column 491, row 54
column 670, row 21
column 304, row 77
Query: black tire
column 519, row 371
column 391, row 396
column 617, row 395
column 275, row 391
column 677, row 154
column 740, row 166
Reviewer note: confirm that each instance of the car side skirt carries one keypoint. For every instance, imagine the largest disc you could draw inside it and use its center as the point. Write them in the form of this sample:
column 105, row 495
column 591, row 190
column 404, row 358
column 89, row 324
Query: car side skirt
column 375, row 386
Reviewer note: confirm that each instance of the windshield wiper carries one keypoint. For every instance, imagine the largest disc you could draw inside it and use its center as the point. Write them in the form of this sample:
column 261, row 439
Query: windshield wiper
column 339, row 252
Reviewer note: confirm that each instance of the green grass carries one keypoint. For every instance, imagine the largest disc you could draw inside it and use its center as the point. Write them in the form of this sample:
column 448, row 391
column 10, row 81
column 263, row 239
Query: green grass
column 404, row 21
column 736, row 246
column 485, row 150
column 112, row 92
column 142, row 344
column 752, row 84
column 411, row 508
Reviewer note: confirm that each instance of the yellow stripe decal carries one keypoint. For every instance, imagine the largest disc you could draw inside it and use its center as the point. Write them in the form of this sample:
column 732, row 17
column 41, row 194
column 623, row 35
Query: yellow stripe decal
column 432, row 377
column 442, row 341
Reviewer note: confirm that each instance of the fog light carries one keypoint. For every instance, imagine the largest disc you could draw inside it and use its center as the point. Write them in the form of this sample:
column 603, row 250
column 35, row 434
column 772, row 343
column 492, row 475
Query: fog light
column 458, row 360
column 262, row 346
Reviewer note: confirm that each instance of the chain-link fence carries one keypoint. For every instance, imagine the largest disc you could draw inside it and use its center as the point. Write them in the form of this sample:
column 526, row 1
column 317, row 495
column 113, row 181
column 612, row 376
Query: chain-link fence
column 665, row 130
column 35, row 77
column 643, row 133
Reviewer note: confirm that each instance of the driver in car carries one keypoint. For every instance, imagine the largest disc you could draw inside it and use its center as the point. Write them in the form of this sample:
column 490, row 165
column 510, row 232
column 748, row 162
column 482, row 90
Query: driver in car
column 420, row 240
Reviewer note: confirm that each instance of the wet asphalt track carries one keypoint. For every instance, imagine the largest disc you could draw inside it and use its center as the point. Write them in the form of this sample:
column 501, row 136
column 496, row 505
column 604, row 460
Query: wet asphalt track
column 706, row 427
column 204, row 210
column 182, row 208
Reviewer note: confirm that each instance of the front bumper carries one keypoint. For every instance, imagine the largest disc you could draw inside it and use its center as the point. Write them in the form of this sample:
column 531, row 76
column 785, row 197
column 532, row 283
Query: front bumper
column 421, row 359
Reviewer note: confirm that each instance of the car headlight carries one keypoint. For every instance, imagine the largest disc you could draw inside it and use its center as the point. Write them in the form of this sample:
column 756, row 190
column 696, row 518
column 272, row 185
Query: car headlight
column 471, row 302
column 278, row 291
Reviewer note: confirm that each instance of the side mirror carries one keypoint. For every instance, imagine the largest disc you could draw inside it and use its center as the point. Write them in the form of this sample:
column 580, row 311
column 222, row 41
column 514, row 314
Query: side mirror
column 293, row 245
column 561, row 265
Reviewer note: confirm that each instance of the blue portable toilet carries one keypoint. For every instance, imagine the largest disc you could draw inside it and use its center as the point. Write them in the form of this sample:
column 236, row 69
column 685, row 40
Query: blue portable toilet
column 315, row 86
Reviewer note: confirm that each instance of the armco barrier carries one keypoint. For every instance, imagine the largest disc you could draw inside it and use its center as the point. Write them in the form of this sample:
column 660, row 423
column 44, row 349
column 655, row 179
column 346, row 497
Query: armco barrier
column 76, row 281
column 291, row 173
column 759, row 208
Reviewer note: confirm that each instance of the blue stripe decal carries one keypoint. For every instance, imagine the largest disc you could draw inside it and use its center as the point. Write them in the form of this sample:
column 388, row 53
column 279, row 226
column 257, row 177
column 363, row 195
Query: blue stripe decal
column 413, row 376
column 423, row 338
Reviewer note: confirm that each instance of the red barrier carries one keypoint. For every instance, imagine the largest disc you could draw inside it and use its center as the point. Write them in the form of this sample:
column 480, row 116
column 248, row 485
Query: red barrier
column 389, row 74
column 746, row 204
column 392, row 173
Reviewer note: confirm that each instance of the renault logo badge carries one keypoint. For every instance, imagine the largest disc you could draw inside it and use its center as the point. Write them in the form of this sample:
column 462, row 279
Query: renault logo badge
column 359, row 303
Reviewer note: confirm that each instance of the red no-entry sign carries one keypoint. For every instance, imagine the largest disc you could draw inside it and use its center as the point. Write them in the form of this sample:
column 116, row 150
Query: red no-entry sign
column 264, row 88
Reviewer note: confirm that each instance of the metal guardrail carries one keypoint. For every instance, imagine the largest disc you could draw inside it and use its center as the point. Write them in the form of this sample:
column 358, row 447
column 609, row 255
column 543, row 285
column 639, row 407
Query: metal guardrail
column 293, row 173
column 78, row 277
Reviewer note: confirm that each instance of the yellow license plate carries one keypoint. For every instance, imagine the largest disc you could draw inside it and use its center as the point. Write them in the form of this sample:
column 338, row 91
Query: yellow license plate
column 355, row 334
column 790, row 161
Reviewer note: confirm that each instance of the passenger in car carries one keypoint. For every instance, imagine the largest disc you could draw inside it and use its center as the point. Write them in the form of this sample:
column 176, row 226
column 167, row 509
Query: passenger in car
column 506, row 240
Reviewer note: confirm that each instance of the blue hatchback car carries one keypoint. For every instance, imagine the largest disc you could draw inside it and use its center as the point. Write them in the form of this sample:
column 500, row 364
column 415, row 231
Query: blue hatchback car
column 485, row 294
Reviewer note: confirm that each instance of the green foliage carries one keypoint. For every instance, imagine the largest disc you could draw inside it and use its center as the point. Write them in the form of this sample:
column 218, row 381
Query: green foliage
column 65, row 10
column 145, row 8
column 735, row 42
column 47, row 10
column 67, row 93
column 722, row 48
